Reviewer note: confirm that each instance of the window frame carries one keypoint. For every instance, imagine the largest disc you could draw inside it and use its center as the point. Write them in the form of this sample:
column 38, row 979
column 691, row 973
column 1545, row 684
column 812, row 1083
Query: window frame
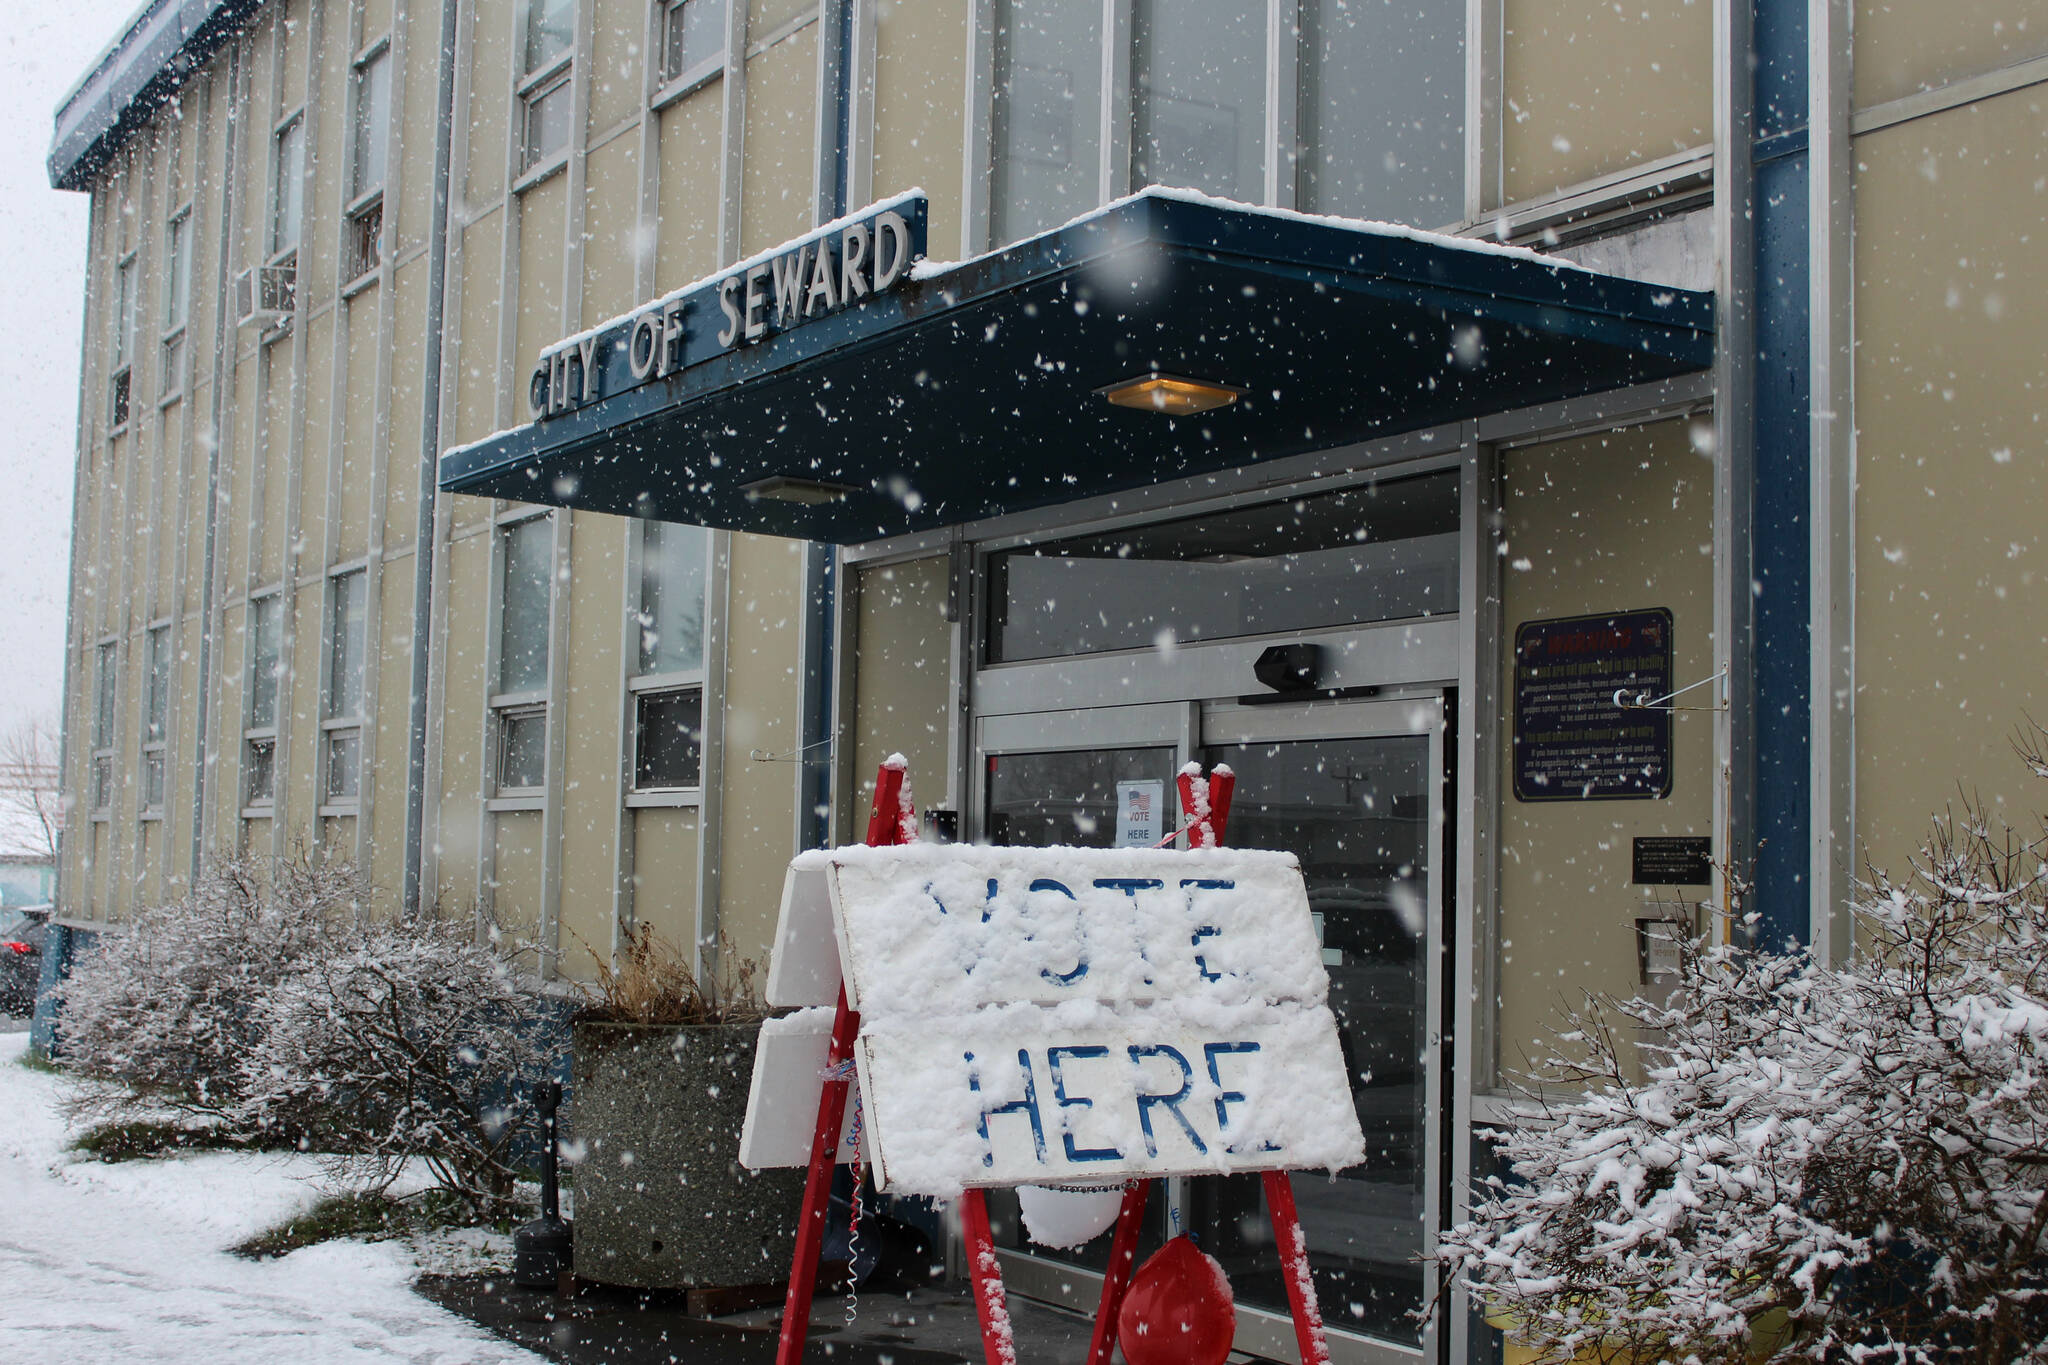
column 504, row 716
column 666, row 683
column 261, row 734
column 105, row 721
column 533, row 164
column 670, row 85
column 339, row 726
column 120, row 378
column 282, row 252
column 362, row 253
column 172, row 354
column 508, row 707
column 663, row 686
column 535, row 82
column 156, row 720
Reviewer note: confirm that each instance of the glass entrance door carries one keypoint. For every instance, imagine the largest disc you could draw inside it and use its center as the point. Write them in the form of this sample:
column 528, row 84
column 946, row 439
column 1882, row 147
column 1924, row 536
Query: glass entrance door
column 1354, row 790
column 1355, row 794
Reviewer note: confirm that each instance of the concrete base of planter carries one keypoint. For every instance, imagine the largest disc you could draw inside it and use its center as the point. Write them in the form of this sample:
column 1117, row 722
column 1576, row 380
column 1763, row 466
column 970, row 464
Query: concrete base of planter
column 661, row 1199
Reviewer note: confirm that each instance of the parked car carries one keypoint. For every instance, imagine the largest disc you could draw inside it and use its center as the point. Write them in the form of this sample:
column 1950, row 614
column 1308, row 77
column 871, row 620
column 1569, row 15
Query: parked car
column 21, row 957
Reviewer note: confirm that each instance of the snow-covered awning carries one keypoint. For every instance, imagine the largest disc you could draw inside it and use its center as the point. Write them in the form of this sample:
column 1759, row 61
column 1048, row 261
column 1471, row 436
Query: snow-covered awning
column 163, row 44
column 973, row 389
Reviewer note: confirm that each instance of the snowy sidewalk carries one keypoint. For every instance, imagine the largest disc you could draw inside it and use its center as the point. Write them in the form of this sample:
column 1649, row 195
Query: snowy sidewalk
column 128, row 1263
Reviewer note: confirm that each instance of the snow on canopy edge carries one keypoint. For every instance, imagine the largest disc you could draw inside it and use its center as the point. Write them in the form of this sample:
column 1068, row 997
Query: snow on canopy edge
column 929, row 269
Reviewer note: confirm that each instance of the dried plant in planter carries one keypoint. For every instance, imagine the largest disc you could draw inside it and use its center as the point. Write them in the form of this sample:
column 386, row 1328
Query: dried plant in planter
column 654, row 980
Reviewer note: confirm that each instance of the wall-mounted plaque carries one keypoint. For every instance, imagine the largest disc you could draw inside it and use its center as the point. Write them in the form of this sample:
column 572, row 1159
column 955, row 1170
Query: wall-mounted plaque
column 1573, row 740
column 1672, row 860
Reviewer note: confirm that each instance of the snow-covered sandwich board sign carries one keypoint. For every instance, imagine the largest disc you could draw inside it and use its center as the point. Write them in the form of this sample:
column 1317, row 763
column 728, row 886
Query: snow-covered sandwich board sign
column 1043, row 1016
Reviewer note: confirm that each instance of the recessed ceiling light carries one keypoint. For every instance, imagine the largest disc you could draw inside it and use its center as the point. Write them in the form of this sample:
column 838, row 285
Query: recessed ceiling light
column 1170, row 394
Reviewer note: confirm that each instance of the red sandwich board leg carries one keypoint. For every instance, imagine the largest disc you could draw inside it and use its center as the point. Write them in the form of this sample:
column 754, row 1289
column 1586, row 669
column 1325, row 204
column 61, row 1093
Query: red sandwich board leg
column 1301, row 1290
column 1123, row 1253
column 998, row 1343
column 885, row 827
column 810, row 1228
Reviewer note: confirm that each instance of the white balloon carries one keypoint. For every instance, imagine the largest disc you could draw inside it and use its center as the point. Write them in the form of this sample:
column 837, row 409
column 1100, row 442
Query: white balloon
column 1066, row 1217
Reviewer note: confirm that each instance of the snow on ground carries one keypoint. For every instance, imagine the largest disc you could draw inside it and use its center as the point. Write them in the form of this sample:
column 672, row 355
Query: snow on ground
column 128, row 1262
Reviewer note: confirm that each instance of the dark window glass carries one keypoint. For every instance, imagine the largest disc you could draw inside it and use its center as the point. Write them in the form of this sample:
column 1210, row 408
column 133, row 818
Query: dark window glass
column 261, row 783
column 1356, row 812
column 668, row 751
column 1379, row 552
column 523, row 750
column 1037, row 800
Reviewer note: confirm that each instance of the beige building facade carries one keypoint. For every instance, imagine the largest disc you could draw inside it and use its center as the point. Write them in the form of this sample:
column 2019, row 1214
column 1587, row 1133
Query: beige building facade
column 1777, row 443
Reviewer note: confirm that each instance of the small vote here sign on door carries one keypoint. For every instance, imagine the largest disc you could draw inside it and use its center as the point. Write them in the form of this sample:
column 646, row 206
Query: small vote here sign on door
column 1034, row 1016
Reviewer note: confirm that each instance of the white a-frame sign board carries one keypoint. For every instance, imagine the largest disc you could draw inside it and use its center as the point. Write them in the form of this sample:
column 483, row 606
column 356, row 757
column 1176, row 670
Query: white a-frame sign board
column 1042, row 1016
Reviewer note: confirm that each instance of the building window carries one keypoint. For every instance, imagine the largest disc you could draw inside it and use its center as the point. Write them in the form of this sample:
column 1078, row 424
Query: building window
column 177, row 295
column 342, row 725
column 522, row 750
column 365, row 240
column 1375, row 128
column 1198, row 96
column 693, row 39
column 372, row 123
column 668, row 739
column 288, row 190
column 266, row 673
column 156, row 713
column 524, row 618
column 545, row 92
column 371, row 137
column 105, row 690
column 547, row 122
column 124, row 333
column 668, row 710
column 1047, row 114
column 1381, row 111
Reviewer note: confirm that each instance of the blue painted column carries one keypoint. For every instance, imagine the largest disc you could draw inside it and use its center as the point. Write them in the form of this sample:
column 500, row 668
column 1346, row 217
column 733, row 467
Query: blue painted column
column 1781, row 520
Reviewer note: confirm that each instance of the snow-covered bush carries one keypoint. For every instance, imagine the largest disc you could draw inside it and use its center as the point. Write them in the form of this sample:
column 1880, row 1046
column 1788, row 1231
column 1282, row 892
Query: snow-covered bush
column 271, row 1000
column 164, row 1003
column 406, row 1039
column 1796, row 1162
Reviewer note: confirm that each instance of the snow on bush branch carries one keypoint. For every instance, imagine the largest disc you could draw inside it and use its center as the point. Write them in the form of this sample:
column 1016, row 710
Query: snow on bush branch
column 273, row 1002
column 1789, row 1161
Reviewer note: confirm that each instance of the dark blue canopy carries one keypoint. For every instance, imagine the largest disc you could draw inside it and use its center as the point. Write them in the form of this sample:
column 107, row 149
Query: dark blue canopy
column 973, row 390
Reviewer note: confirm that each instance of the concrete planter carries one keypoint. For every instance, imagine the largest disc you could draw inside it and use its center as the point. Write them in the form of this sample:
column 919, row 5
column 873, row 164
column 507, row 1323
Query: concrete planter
column 661, row 1199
